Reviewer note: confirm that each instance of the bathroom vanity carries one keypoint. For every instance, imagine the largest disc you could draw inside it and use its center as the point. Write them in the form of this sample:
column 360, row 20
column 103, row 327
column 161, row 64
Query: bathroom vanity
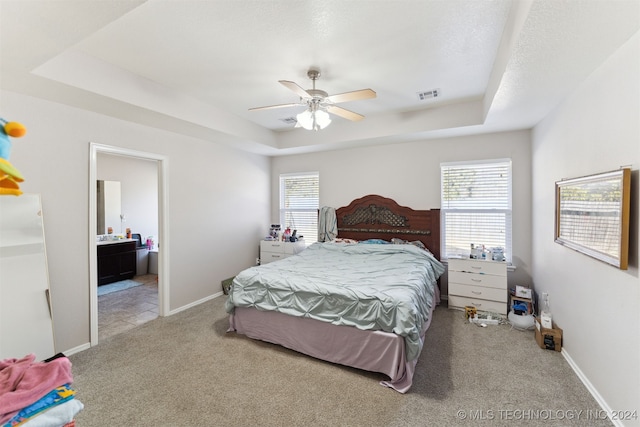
column 117, row 260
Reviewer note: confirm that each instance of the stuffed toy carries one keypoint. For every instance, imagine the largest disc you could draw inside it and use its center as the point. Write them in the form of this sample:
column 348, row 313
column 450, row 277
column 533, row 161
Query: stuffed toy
column 9, row 175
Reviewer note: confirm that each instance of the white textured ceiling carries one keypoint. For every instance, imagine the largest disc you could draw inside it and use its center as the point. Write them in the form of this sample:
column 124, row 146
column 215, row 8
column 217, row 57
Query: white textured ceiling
column 196, row 67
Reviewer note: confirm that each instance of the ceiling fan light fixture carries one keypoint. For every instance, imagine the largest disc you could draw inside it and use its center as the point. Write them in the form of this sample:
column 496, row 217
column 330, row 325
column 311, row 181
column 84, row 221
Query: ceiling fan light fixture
column 322, row 118
column 320, row 104
column 305, row 120
column 313, row 119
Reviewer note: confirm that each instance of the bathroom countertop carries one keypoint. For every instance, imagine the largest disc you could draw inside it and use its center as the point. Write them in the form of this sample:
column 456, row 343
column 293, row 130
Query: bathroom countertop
column 109, row 242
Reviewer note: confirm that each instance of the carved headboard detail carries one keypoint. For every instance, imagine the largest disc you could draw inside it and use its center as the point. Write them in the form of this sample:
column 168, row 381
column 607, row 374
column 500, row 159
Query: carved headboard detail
column 377, row 217
column 374, row 214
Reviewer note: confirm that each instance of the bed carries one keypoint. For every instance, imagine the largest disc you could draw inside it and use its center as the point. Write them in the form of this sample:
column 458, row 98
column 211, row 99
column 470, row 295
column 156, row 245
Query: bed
column 359, row 300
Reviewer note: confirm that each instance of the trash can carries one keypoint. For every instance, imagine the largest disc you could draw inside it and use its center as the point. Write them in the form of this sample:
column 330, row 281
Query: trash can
column 153, row 261
column 142, row 265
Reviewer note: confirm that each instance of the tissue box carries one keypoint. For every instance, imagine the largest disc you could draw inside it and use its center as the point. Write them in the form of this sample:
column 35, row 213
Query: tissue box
column 549, row 339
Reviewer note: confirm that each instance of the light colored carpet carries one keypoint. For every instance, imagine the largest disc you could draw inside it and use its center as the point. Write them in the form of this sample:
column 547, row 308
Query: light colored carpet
column 186, row 370
column 117, row 286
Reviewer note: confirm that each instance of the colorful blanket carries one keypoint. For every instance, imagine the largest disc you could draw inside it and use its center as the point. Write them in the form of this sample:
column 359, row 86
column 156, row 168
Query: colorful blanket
column 23, row 382
column 55, row 397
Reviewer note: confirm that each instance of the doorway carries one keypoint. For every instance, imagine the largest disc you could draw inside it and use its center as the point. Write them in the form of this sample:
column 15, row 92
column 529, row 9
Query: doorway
column 160, row 164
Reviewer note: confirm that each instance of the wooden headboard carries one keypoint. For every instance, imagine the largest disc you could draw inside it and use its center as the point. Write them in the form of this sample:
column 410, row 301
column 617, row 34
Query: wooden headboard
column 377, row 217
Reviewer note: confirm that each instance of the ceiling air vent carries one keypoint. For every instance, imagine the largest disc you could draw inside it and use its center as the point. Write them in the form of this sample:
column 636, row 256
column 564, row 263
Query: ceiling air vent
column 422, row 96
column 289, row 120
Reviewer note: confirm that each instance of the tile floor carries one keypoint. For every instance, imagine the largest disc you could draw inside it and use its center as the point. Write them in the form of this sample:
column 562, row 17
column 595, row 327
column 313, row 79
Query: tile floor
column 123, row 310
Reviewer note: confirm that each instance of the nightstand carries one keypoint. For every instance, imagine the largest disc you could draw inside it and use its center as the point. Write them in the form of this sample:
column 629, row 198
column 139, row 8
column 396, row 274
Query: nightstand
column 274, row 250
column 480, row 284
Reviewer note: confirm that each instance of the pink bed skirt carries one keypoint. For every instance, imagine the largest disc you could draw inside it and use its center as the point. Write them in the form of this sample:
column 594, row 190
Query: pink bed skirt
column 374, row 351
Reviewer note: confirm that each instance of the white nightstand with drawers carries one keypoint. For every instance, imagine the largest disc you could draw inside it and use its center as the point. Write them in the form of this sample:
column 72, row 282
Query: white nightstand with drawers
column 477, row 283
column 274, row 250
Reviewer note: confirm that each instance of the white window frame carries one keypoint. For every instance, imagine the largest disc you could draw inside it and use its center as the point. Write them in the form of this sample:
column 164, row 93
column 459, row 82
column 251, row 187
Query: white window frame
column 446, row 209
column 310, row 236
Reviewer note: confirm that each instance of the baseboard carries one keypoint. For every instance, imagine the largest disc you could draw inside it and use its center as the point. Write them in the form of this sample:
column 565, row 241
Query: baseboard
column 77, row 349
column 193, row 304
column 605, row 407
column 87, row 346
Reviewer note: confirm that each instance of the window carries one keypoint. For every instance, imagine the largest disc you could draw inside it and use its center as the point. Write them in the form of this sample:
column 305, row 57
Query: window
column 299, row 200
column 475, row 206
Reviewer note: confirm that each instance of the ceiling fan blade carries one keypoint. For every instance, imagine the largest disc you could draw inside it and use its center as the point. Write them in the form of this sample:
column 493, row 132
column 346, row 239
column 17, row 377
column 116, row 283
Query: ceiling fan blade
column 344, row 113
column 294, row 87
column 352, row 96
column 269, row 107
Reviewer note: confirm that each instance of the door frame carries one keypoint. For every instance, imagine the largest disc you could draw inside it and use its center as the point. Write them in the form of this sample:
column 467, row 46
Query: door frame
column 163, row 230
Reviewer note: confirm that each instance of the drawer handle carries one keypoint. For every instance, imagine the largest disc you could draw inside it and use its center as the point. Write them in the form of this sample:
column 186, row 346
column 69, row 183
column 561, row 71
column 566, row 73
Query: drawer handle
column 476, row 267
column 476, row 292
column 476, row 280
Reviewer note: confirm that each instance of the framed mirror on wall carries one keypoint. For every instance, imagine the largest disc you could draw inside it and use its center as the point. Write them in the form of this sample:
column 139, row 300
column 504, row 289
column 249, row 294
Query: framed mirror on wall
column 108, row 206
column 592, row 215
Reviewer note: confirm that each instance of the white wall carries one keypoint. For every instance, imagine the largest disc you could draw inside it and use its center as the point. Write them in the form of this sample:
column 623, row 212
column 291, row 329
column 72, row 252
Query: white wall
column 595, row 130
column 218, row 201
column 139, row 192
column 409, row 173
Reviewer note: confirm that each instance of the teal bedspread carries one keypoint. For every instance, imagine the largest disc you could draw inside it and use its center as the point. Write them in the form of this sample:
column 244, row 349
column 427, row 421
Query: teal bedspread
column 384, row 287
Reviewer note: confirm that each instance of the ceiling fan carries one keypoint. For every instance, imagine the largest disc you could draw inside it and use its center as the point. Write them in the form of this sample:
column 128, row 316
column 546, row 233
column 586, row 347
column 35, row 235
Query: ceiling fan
column 319, row 103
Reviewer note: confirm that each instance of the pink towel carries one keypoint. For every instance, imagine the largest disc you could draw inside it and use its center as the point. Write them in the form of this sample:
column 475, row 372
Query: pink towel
column 23, row 382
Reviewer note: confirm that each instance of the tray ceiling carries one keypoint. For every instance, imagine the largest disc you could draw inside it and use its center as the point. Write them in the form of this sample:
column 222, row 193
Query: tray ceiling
column 196, row 67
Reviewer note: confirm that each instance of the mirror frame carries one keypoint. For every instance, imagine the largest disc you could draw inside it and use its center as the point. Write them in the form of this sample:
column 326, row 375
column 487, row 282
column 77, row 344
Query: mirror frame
column 583, row 204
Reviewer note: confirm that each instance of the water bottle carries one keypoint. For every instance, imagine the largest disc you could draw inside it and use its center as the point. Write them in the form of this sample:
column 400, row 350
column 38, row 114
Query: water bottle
column 545, row 314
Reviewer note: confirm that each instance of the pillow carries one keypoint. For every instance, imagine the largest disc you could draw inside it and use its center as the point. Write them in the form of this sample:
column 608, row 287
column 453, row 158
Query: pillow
column 417, row 243
column 374, row 241
column 345, row 241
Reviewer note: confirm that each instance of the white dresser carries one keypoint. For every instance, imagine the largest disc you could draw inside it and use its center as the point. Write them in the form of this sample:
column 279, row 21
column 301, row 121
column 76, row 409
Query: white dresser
column 271, row 250
column 480, row 284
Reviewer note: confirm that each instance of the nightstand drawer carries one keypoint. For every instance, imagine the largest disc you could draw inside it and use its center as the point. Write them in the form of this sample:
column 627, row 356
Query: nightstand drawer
column 486, row 280
column 267, row 257
column 273, row 250
column 480, row 304
column 272, row 246
column 473, row 266
column 481, row 292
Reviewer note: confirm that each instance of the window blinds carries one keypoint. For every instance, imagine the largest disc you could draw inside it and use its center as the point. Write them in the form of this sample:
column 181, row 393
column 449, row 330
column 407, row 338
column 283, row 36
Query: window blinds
column 476, row 206
column 299, row 202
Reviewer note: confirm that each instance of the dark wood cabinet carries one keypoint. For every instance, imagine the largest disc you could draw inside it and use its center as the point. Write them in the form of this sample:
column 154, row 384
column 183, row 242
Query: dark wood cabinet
column 116, row 261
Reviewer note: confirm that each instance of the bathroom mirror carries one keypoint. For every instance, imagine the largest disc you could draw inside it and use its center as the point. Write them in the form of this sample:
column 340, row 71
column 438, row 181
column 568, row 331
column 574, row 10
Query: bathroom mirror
column 108, row 206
